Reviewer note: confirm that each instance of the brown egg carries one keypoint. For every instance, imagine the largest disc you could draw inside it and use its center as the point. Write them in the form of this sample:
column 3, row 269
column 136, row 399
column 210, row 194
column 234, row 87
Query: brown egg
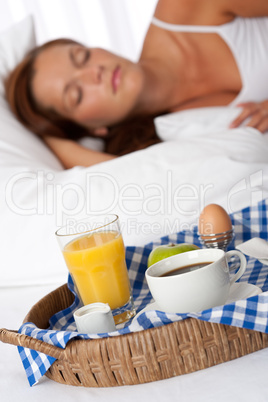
column 213, row 220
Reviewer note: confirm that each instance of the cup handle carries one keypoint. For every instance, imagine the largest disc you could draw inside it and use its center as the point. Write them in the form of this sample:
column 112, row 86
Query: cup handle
column 243, row 264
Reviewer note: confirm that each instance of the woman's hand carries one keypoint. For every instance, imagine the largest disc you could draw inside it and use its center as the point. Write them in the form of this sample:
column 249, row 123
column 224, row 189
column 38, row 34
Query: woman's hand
column 71, row 154
column 257, row 113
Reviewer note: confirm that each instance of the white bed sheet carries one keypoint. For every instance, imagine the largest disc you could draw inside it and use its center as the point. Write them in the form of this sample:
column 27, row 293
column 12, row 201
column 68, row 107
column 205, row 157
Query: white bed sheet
column 243, row 379
column 159, row 190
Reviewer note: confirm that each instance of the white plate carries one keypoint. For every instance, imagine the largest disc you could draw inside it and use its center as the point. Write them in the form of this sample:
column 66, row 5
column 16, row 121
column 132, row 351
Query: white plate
column 238, row 291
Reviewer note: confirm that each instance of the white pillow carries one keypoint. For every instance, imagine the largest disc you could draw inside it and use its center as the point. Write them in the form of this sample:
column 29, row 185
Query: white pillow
column 14, row 44
column 18, row 146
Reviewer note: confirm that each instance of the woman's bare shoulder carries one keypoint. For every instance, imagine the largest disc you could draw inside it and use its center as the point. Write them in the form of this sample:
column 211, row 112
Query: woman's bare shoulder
column 246, row 8
column 208, row 12
column 189, row 12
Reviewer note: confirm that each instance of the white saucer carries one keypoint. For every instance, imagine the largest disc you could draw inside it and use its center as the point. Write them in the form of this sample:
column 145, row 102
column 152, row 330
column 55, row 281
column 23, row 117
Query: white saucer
column 242, row 290
column 264, row 261
column 238, row 291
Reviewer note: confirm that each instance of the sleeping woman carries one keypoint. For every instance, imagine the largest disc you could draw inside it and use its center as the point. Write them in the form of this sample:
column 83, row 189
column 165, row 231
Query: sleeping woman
column 196, row 53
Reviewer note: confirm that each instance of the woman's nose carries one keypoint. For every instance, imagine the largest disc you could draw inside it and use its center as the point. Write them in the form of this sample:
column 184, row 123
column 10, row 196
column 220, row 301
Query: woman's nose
column 91, row 75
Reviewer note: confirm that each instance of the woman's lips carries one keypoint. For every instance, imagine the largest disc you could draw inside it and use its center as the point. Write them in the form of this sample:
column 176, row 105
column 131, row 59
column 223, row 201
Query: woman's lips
column 116, row 78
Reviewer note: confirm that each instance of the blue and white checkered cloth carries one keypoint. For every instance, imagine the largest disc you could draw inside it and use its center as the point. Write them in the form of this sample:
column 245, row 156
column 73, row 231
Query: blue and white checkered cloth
column 251, row 313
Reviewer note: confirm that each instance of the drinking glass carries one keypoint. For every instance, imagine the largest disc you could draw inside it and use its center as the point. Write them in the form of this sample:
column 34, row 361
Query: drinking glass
column 94, row 253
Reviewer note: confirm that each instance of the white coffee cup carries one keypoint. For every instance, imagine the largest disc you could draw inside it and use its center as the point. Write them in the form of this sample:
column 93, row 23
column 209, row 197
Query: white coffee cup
column 197, row 289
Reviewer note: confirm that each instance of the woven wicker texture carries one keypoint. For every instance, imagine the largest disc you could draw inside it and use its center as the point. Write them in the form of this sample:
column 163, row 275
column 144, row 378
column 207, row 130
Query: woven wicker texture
column 154, row 354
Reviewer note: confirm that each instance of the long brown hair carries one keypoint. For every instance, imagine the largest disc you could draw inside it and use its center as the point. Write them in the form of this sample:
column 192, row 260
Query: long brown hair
column 128, row 136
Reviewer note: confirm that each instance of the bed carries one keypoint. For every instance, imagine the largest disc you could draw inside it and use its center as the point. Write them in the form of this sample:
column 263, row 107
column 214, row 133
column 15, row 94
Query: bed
column 163, row 190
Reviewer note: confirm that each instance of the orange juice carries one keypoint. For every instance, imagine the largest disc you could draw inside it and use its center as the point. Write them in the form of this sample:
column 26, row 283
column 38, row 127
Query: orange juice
column 97, row 264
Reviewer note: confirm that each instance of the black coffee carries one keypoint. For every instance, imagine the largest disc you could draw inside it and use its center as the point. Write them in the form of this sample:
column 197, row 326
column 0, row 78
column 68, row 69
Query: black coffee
column 186, row 268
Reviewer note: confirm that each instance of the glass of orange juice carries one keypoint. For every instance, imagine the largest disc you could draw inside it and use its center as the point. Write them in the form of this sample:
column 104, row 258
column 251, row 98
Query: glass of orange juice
column 94, row 253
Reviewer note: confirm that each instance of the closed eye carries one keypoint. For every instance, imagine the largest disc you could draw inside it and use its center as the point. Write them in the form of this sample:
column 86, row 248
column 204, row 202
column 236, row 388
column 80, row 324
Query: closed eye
column 72, row 96
column 79, row 55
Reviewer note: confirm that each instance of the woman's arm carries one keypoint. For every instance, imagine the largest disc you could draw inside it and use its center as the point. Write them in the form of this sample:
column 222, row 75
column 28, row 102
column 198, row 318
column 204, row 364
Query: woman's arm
column 71, row 154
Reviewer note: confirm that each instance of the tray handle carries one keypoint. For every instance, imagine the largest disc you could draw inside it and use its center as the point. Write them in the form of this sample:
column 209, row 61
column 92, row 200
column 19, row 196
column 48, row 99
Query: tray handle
column 14, row 338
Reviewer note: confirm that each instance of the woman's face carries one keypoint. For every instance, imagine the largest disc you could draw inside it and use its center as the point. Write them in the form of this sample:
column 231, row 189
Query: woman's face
column 92, row 87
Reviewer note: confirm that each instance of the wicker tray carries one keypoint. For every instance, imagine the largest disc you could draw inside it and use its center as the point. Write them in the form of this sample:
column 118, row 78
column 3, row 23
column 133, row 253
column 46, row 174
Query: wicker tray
column 154, row 354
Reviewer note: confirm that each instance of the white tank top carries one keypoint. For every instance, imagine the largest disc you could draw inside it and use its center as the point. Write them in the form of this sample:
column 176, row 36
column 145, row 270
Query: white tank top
column 247, row 39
